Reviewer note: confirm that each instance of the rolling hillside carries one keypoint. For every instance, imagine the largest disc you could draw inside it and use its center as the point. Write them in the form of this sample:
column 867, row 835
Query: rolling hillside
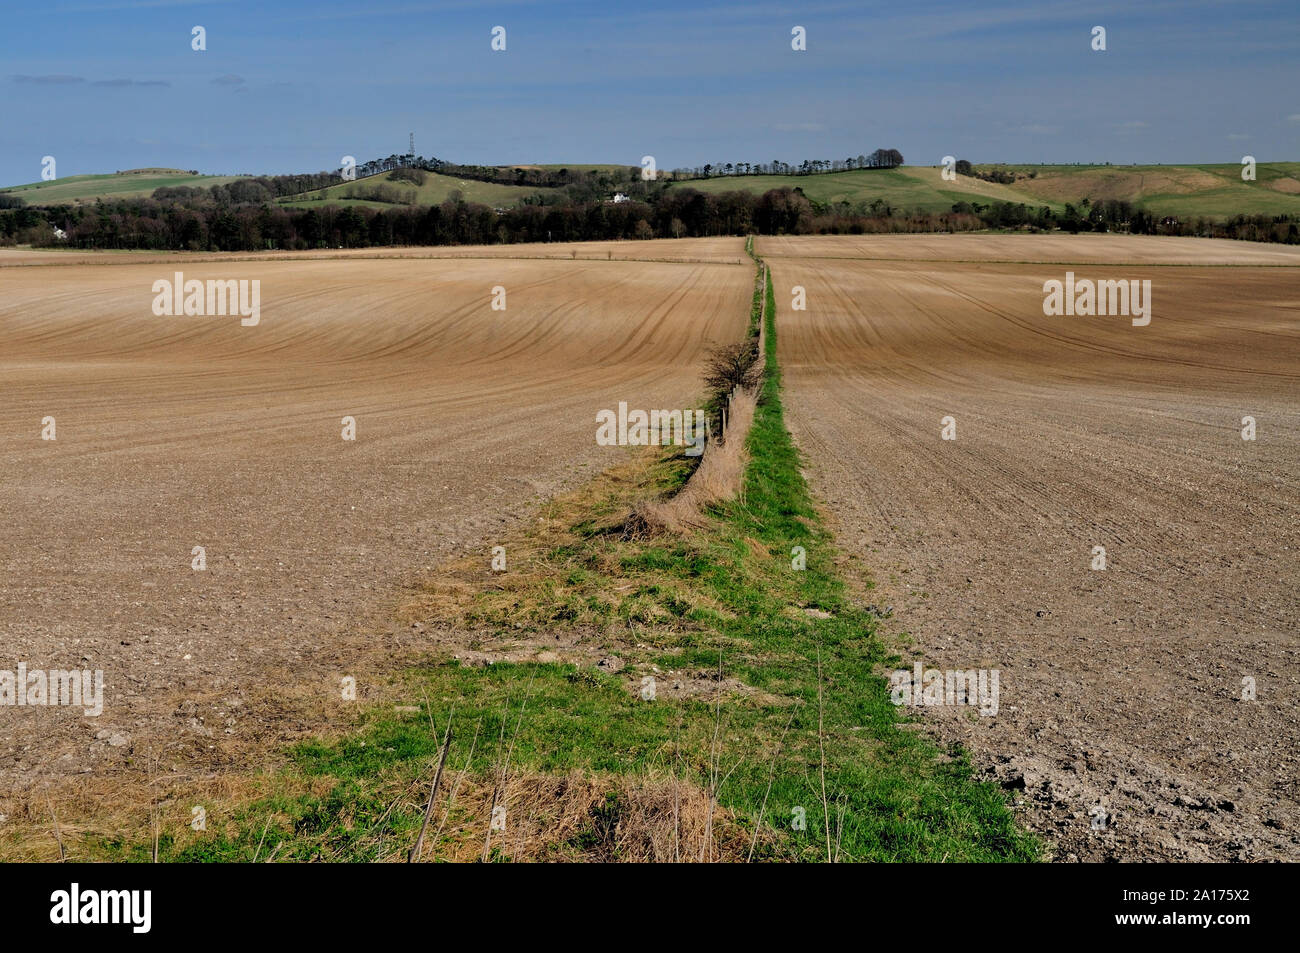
column 908, row 187
column 1185, row 191
column 1214, row 191
column 435, row 190
column 137, row 183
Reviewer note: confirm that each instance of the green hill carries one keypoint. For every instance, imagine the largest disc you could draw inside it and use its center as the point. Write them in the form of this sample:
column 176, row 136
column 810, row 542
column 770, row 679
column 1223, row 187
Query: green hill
column 1185, row 191
column 436, row 189
column 917, row 188
column 136, row 183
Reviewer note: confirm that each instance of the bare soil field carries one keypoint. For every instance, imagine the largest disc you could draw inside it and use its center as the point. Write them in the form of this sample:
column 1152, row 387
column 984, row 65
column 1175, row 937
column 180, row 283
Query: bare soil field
column 1122, row 689
column 720, row 250
column 177, row 432
column 1065, row 249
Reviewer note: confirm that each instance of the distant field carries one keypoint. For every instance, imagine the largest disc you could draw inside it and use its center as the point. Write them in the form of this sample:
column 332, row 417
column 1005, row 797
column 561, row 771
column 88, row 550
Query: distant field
column 436, row 190
column 1187, row 191
column 910, row 187
column 1215, row 191
column 74, row 189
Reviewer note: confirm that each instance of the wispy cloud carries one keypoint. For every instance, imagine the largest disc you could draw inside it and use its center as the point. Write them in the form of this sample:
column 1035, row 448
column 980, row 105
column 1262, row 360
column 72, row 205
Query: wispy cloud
column 229, row 79
column 61, row 79
column 54, row 79
column 121, row 83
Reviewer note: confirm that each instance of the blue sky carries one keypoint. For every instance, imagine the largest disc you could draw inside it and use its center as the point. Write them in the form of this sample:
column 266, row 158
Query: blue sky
column 289, row 86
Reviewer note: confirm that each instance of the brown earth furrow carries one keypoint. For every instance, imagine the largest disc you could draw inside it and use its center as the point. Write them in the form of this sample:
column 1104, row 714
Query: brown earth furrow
column 1123, row 688
column 175, row 432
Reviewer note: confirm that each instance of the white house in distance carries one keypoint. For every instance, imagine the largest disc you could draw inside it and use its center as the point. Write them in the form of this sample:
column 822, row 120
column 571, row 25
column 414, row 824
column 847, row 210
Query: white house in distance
column 59, row 233
column 619, row 198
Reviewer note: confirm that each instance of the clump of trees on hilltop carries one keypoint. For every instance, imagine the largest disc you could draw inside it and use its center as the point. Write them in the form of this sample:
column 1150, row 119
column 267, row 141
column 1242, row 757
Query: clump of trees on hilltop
column 531, row 176
column 1000, row 176
column 880, row 159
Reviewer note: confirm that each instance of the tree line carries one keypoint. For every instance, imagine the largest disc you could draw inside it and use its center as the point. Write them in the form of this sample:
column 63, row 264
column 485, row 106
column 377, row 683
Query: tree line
column 679, row 212
column 880, row 159
column 248, row 189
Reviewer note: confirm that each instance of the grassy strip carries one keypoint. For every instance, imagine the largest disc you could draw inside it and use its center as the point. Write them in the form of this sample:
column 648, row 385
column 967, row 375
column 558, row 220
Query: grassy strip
column 793, row 744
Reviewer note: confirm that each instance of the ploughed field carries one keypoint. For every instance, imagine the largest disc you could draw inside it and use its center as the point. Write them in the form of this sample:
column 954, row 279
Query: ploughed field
column 178, row 432
column 1121, row 690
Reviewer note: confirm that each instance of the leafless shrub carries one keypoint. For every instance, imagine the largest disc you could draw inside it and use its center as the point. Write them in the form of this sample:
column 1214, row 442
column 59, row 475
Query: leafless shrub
column 729, row 366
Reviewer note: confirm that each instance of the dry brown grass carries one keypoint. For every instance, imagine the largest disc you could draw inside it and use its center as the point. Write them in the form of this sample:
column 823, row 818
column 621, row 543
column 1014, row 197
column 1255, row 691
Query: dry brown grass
column 719, row 477
column 124, row 806
column 221, row 772
column 580, row 817
column 565, row 575
column 575, row 817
